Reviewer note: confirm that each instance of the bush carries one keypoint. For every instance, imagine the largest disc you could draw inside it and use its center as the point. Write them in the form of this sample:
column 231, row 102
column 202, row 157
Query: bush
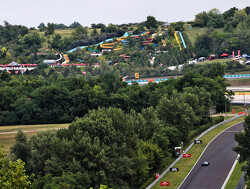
column 204, row 127
column 8, row 118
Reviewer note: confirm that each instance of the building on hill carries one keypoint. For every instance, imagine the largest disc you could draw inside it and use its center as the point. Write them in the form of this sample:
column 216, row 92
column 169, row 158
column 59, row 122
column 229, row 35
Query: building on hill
column 13, row 64
column 166, row 25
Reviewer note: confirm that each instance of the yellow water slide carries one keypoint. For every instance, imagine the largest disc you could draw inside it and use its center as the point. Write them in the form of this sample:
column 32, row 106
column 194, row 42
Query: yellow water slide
column 120, row 39
column 117, row 49
column 146, row 33
column 66, row 58
column 107, row 46
column 164, row 43
column 176, row 37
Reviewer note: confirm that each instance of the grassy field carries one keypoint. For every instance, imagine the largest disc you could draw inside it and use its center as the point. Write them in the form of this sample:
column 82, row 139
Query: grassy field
column 68, row 32
column 215, row 60
column 185, row 164
column 235, row 177
column 237, row 109
column 239, row 82
column 195, row 31
column 8, row 139
column 63, row 32
column 239, row 73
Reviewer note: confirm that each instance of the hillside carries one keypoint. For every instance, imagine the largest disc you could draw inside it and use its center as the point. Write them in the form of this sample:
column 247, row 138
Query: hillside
column 195, row 31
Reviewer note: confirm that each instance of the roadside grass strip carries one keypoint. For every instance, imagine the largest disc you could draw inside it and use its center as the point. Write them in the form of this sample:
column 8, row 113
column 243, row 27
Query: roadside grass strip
column 235, row 176
column 186, row 164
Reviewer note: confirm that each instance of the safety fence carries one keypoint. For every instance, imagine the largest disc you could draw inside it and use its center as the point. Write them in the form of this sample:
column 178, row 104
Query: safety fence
column 165, row 79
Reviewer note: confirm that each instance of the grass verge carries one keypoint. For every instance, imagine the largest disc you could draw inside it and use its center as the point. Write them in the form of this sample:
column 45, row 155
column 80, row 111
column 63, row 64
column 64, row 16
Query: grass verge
column 235, row 177
column 186, row 164
column 8, row 139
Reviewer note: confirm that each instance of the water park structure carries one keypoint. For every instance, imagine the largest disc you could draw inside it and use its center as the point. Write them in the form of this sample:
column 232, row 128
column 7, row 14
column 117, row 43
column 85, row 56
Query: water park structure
column 182, row 39
column 176, row 37
column 66, row 58
column 53, row 61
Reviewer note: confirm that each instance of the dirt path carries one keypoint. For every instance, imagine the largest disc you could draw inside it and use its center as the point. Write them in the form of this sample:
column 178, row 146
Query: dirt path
column 29, row 131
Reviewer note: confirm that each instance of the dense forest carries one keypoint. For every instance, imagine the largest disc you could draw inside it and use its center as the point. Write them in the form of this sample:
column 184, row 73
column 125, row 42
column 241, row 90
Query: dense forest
column 120, row 134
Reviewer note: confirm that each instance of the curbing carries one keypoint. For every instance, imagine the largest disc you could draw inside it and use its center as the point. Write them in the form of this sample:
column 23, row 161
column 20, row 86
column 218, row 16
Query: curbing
column 190, row 146
column 230, row 173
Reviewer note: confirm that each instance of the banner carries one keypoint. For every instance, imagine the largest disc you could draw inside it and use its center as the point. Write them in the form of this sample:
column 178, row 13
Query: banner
column 136, row 75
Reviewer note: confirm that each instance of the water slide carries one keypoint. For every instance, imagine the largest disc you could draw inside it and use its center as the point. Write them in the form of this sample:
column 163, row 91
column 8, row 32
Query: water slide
column 155, row 34
column 176, row 37
column 107, row 45
column 184, row 44
column 66, row 58
column 107, row 40
column 53, row 61
column 164, row 43
column 149, row 41
column 92, row 50
column 121, row 39
column 117, row 49
column 145, row 33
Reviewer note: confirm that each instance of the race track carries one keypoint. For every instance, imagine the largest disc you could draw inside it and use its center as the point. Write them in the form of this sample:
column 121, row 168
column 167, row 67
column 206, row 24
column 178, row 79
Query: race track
column 221, row 157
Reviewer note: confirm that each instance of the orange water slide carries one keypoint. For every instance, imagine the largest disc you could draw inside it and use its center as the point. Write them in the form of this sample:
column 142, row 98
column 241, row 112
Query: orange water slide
column 120, row 39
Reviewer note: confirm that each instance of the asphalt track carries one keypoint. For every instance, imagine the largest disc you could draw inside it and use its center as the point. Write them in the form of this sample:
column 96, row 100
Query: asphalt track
column 221, row 157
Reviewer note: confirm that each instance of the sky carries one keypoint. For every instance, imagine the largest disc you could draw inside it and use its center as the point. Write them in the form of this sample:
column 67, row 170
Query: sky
column 31, row 13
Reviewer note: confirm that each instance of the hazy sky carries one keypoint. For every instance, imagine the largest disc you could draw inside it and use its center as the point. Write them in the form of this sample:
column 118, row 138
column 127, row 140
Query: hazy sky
column 32, row 12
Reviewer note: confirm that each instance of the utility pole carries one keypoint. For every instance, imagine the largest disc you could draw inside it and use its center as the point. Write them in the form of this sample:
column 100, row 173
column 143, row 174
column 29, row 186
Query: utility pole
column 225, row 108
column 244, row 100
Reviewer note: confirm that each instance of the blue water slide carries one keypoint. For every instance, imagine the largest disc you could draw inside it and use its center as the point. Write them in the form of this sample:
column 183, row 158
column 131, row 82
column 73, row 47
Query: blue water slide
column 107, row 40
column 184, row 44
column 125, row 34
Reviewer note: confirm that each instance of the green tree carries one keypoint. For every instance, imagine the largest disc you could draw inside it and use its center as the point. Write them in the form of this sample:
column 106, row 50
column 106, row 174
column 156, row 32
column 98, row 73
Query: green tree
column 111, row 28
column 21, row 147
column 56, row 40
column 175, row 111
column 75, row 25
column 153, row 154
column 243, row 147
column 229, row 13
column 5, row 76
column 151, row 22
column 42, row 25
column 50, row 29
column 240, row 15
column 12, row 173
column 3, row 51
column 201, row 19
column 80, row 33
column 8, row 57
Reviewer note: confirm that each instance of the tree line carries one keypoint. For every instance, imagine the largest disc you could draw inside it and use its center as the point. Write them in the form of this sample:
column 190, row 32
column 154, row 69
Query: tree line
column 120, row 134
column 235, row 24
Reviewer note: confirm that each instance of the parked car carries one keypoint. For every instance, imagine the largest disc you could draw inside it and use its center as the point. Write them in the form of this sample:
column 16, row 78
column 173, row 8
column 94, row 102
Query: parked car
column 193, row 61
column 201, row 59
column 205, row 163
